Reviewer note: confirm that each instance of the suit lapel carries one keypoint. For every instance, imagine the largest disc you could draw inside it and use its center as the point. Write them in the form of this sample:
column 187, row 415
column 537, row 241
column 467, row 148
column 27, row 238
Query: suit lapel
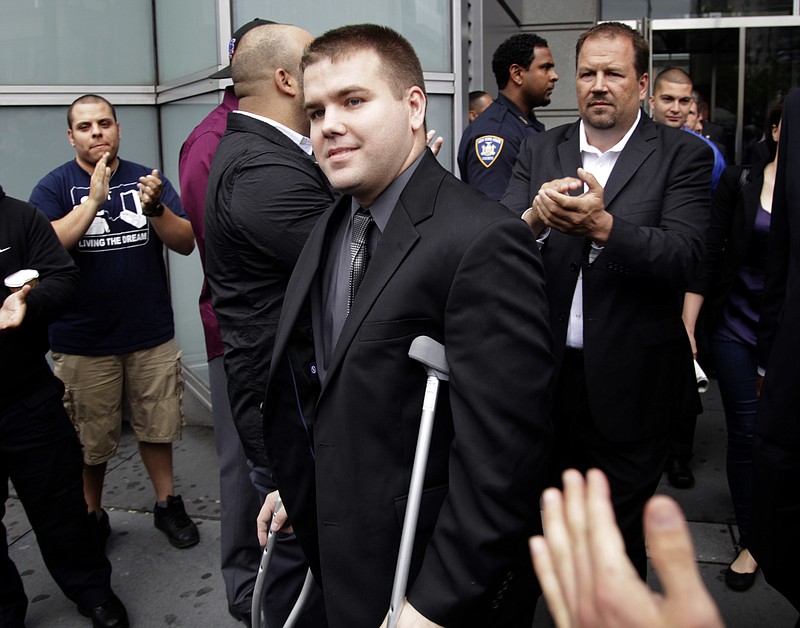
column 635, row 153
column 416, row 203
column 569, row 154
column 246, row 124
column 299, row 288
column 751, row 194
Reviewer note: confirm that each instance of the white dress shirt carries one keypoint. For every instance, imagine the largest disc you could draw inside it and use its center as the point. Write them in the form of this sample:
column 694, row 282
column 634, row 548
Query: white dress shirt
column 600, row 166
column 298, row 138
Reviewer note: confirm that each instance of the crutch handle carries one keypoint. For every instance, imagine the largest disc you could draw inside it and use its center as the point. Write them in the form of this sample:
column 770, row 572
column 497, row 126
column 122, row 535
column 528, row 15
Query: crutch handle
column 431, row 354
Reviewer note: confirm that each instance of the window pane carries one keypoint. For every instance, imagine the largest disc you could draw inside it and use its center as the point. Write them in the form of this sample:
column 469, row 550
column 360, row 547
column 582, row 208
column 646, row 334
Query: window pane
column 711, row 58
column 184, row 46
column 77, row 42
column 426, row 23
column 440, row 117
column 772, row 67
column 635, row 9
column 185, row 273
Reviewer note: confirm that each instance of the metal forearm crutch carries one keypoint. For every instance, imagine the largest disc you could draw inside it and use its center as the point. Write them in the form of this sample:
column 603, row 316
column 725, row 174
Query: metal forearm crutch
column 431, row 354
column 256, row 617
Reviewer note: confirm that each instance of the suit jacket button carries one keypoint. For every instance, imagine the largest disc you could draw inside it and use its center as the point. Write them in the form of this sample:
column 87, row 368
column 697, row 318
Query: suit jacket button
column 562, row 318
column 573, row 267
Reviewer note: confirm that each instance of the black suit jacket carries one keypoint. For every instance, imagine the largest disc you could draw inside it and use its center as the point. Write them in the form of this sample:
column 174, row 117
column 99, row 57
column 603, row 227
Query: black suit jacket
column 264, row 196
column 456, row 266
column 716, row 133
column 733, row 216
column 637, row 357
column 779, row 340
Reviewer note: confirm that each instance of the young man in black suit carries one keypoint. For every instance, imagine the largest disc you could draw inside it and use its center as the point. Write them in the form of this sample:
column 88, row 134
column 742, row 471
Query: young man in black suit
column 343, row 400
column 620, row 243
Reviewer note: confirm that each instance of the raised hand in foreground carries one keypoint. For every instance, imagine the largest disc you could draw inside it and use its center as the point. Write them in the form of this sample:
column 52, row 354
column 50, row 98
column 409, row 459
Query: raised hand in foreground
column 588, row 579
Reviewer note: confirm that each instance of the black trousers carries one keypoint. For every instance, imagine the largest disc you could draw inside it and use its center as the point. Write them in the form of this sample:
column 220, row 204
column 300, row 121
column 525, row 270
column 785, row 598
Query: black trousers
column 776, row 511
column 633, row 468
column 41, row 455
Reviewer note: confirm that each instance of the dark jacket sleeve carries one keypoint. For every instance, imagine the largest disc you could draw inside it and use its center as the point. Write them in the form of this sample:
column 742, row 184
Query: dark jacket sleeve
column 779, row 236
column 30, row 243
column 727, row 201
column 58, row 274
column 518, row 196
column 499, row 452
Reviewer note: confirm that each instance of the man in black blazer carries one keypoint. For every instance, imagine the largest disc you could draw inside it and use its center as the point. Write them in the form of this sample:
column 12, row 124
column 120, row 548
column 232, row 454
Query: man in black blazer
column 343, row 402
column 265, row 193
column 617, row 258
column 776, row 447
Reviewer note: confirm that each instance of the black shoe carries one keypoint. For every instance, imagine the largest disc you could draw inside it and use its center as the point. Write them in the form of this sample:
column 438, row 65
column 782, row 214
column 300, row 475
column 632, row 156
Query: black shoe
column 101, row 525
column 679, row 474
column 173, row 521
column 739, row 581
column 110, row 614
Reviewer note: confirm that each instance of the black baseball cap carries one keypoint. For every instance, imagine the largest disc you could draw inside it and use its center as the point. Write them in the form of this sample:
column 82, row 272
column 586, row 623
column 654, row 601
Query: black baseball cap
column 237, row 37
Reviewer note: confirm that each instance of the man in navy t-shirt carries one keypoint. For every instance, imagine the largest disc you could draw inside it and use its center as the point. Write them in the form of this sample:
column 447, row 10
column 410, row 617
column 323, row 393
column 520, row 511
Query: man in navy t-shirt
column 116, row 348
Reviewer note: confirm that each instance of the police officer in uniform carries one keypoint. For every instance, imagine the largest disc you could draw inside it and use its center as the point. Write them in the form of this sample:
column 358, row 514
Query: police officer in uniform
column 525, row 74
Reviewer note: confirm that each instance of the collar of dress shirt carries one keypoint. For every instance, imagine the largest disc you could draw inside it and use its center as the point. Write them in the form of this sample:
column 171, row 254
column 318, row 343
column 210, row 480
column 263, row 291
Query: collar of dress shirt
column 381, row 209
column 601, row 164
column 298, row 138
column 617, row 148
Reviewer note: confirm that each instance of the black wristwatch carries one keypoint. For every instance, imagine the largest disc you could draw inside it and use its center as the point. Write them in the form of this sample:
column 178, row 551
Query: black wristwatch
column 157, row 211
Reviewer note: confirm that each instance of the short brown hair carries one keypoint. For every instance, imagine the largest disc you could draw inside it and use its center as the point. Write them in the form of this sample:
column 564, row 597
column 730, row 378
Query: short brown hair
column 88, row 98
column 612, row 30
column 401, row 64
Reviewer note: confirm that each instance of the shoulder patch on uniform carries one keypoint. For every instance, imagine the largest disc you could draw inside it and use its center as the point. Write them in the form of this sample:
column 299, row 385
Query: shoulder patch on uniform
column 487, row 148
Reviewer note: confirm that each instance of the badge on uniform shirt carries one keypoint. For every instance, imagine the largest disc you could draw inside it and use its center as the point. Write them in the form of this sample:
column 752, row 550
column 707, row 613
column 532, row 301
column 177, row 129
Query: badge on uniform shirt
column 487, row 148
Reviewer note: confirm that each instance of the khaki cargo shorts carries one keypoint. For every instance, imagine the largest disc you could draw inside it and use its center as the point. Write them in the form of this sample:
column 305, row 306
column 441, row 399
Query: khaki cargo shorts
column 147, row 384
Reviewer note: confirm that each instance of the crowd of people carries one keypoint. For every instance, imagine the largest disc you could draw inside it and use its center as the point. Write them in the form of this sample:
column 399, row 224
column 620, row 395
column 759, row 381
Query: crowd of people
column 565, row 274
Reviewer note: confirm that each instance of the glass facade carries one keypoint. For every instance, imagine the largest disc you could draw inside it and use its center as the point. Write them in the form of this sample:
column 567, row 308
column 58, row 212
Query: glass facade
column 425, row 23
column 655, row 9
column 772, row 67
column 191, row 46
column 711, row 58
column 151, row 58
column 740, row 72
column 69, row 42
column 186, row 274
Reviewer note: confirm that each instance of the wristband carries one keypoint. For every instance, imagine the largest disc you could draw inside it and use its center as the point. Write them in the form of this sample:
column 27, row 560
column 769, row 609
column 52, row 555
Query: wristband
column 157, row 211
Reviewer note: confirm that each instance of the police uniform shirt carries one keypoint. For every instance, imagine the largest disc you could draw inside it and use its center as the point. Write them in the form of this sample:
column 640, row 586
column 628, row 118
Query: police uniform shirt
column 490, row 144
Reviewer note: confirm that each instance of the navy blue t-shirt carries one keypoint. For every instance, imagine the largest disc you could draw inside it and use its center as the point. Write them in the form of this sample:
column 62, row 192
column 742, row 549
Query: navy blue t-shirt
column 124, row 303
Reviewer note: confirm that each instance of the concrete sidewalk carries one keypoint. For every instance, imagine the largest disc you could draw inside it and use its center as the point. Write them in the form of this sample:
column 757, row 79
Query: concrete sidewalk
column 163, row 586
